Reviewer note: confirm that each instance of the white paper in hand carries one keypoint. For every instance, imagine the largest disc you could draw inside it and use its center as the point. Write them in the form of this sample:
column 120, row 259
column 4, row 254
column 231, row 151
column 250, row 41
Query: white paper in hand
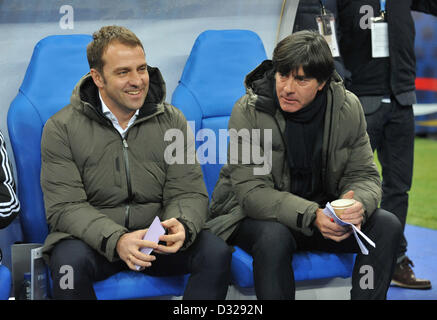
column 155, row 231
column 329, row 211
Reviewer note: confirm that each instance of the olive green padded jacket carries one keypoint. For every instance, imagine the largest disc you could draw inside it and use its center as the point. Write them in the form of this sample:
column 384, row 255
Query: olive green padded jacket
column 347, row 161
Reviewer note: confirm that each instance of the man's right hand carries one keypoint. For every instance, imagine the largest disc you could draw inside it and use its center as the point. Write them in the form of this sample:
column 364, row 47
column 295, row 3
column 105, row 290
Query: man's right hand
column 128, row 249
column 329, row 229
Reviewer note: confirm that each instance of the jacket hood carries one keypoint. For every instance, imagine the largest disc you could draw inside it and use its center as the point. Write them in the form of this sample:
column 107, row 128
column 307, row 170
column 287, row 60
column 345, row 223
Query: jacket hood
column 260, row 85
column 85, row 97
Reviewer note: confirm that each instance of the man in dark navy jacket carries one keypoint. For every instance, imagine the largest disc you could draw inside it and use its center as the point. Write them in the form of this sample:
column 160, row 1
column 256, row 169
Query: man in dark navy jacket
column 385, row 85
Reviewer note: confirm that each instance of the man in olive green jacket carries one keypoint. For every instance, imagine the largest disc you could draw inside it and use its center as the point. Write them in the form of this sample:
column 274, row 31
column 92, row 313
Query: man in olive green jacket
column 312, row 137
column 105, row 178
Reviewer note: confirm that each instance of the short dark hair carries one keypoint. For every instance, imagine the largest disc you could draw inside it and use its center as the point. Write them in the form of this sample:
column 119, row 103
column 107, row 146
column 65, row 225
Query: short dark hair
column 306, row 49
column 103, row 38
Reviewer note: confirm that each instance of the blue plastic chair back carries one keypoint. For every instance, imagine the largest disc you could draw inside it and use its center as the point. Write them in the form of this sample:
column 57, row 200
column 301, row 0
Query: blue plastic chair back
column 5, row 283
column 211, row 83
column 57, row 63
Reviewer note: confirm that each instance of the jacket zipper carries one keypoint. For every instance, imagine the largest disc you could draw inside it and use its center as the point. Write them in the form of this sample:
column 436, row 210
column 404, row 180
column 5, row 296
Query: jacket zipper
column 128, row 181
column 284, row 163
column 329, row 108
column 125, row 155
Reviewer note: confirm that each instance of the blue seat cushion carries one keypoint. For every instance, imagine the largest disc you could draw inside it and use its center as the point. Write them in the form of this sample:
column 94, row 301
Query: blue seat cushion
column 131, row 285
column 306, row 266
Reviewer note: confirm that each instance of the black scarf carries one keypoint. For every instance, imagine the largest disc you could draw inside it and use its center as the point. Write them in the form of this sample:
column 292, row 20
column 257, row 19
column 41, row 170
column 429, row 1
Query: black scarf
column 304, row 138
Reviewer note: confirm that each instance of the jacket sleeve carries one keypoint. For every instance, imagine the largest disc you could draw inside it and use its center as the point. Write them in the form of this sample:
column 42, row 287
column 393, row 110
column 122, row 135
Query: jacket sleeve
column 9, row 204
column 360, row 173
column 184, row 194
column 425, row 6
column 256, row 192
column 65, row 199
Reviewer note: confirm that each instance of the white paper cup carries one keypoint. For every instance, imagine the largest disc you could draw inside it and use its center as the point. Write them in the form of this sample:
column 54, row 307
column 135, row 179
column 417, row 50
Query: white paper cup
column 341, row 204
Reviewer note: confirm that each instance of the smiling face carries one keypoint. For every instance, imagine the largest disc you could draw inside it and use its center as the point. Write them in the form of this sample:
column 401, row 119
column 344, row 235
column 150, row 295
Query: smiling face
column 296, row 91
column 124, row 80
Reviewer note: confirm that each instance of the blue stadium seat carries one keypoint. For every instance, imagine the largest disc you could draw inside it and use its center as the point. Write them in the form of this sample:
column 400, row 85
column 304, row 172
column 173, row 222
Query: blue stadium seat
column 306, row 265
column 212, row 81
column 57, row 63
column 5, row 283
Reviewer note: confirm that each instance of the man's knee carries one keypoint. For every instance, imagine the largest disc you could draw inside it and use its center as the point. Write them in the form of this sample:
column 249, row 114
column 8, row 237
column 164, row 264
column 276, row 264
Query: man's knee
column 215, row 250
column 70, row 256
column 388, row 223
column 275, row 239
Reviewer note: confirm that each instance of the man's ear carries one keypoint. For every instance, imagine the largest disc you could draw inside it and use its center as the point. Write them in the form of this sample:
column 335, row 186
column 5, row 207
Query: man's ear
column 321, row 85
column 98, row 79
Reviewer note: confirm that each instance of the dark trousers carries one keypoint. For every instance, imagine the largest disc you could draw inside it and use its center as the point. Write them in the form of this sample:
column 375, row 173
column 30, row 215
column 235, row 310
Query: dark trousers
column 272, row 246
column 208, row 260
column 391, row 133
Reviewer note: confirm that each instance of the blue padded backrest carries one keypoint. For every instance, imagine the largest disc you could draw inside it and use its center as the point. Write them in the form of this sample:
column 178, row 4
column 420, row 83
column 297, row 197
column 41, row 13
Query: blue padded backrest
column 57, row 63
column 5, row 282
column 213, row 80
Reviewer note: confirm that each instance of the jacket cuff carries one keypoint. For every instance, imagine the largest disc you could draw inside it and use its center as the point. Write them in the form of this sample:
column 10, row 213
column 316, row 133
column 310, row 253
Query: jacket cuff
column 301, row 219
column 189, row 237
column 109, row 250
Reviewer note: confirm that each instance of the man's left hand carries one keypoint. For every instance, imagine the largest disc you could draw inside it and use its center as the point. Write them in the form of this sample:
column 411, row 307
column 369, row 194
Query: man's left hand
column 175, row 237
column 353, row 214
